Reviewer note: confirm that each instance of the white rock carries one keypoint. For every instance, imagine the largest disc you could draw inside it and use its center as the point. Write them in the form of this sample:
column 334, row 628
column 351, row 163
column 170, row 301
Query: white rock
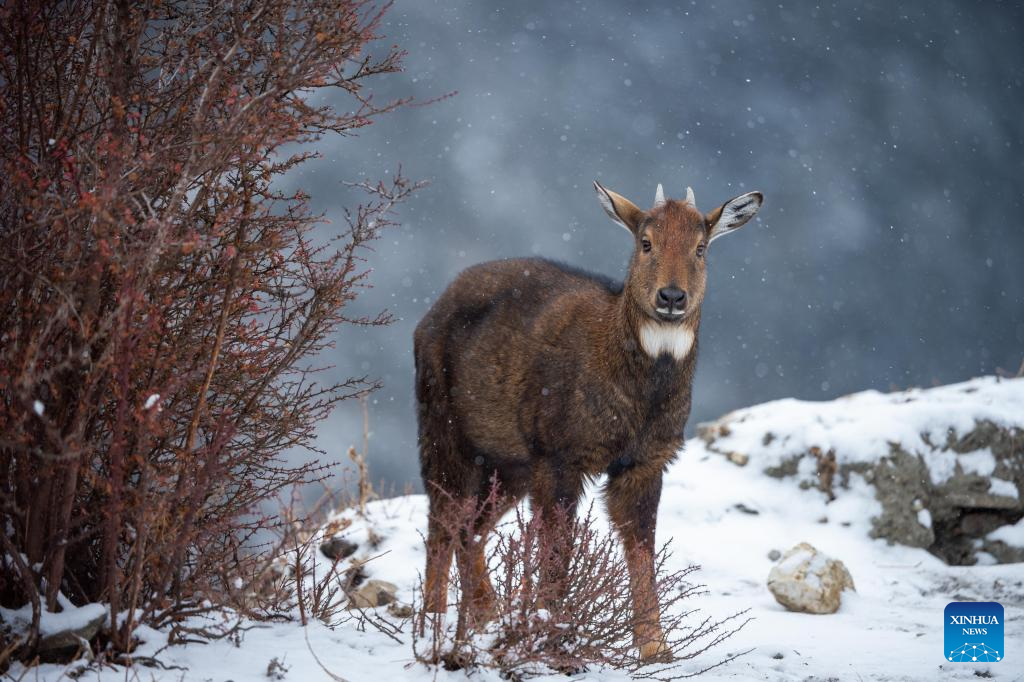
column 808, row 581
column 371, row 594
column 738, row 458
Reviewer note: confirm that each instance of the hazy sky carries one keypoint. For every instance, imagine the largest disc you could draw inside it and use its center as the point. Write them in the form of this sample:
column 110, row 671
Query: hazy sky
column 886, row 136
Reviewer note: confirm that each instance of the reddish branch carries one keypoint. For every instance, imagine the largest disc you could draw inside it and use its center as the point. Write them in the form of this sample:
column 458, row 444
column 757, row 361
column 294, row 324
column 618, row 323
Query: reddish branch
column 162, row 301
column 584, row 619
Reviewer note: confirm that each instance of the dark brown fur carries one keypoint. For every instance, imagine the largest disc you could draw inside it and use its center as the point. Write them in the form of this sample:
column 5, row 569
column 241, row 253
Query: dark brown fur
column 533, row 373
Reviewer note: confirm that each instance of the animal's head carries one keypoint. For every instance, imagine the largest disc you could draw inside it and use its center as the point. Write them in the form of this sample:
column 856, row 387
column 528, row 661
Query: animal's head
column 667, row 274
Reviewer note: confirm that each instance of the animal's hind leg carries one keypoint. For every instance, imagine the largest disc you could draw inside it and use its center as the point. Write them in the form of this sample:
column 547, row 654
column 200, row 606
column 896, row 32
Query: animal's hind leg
column 441, row 469
column 439, row 561
column 471, row 558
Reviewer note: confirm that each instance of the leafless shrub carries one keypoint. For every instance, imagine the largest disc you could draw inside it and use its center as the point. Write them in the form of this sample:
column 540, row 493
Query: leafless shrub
column 276, row 669
column 581, row 620
column 365, row 490
column 161, row 300
column 297, row 580
column 294, row 580
column 826, row 470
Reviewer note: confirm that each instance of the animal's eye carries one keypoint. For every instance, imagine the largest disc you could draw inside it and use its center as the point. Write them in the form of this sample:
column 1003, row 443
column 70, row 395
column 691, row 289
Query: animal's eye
column 701, row 248
column 646, row 245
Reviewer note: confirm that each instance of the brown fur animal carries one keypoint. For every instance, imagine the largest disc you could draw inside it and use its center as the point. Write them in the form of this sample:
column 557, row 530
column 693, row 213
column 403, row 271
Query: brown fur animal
column 545, row 377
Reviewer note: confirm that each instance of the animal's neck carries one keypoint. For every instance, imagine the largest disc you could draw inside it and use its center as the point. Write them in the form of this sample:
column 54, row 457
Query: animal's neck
column 639, row 334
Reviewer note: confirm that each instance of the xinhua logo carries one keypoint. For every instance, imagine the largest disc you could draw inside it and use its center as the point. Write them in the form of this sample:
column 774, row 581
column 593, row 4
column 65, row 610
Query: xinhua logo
column 974, row 632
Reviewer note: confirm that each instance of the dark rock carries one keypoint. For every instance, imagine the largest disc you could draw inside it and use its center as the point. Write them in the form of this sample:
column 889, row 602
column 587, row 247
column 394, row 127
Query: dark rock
column 67, row 645
column 900, row 479
column 1004, row 553
column 787, row 468
column 337, row 548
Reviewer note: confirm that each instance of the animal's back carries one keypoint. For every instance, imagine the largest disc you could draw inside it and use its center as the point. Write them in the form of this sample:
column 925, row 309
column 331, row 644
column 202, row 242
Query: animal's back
column 477, row 351
column 504, row 291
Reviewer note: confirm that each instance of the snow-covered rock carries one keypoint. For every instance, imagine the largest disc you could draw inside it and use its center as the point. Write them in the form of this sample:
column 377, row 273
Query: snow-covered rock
column 1006, row 543
column 946, row 464
column 809, row 581
column 63, row 635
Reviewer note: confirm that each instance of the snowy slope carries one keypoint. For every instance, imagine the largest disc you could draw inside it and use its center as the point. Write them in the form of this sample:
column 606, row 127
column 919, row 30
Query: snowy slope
column 726, row 518
column 861, row 426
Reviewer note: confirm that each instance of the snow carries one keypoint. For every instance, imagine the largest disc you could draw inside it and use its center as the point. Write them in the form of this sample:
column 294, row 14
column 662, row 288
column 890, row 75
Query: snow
column 151, row 401
column 942, row 463
column 898, row 606
column 791, row 563
column 70, row 618
column 1000, row 486
column 924, row 517
column 891, row 628
column 862, row 426
column 38, row 408
column 1011, row 535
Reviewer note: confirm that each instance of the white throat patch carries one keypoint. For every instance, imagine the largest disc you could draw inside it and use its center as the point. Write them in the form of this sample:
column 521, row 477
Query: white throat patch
column 675, row 339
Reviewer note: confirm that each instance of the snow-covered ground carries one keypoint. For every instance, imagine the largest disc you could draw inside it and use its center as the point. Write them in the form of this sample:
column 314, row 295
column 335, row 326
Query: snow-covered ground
column 725, row 517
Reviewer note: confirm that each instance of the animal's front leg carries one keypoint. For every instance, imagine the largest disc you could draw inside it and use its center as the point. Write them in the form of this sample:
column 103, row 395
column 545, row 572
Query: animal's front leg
column 632, row 497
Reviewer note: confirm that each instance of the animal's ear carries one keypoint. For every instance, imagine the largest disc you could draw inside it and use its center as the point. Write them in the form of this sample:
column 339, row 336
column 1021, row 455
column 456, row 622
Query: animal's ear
column 619, row 208
column 733, row 214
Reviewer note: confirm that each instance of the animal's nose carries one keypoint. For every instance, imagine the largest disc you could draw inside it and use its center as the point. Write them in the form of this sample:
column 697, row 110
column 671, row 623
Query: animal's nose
column 672, row 298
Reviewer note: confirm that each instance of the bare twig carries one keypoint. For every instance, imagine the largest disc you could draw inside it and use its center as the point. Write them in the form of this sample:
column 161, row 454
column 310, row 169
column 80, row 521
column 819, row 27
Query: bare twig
column 163, row 300
column 529, row 624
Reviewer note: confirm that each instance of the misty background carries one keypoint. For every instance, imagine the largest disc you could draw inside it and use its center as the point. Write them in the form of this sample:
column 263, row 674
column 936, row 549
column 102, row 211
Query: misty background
column 887, row 138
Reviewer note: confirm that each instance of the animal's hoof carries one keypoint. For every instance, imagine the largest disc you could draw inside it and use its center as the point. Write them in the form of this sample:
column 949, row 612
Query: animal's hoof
column 655, row 652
